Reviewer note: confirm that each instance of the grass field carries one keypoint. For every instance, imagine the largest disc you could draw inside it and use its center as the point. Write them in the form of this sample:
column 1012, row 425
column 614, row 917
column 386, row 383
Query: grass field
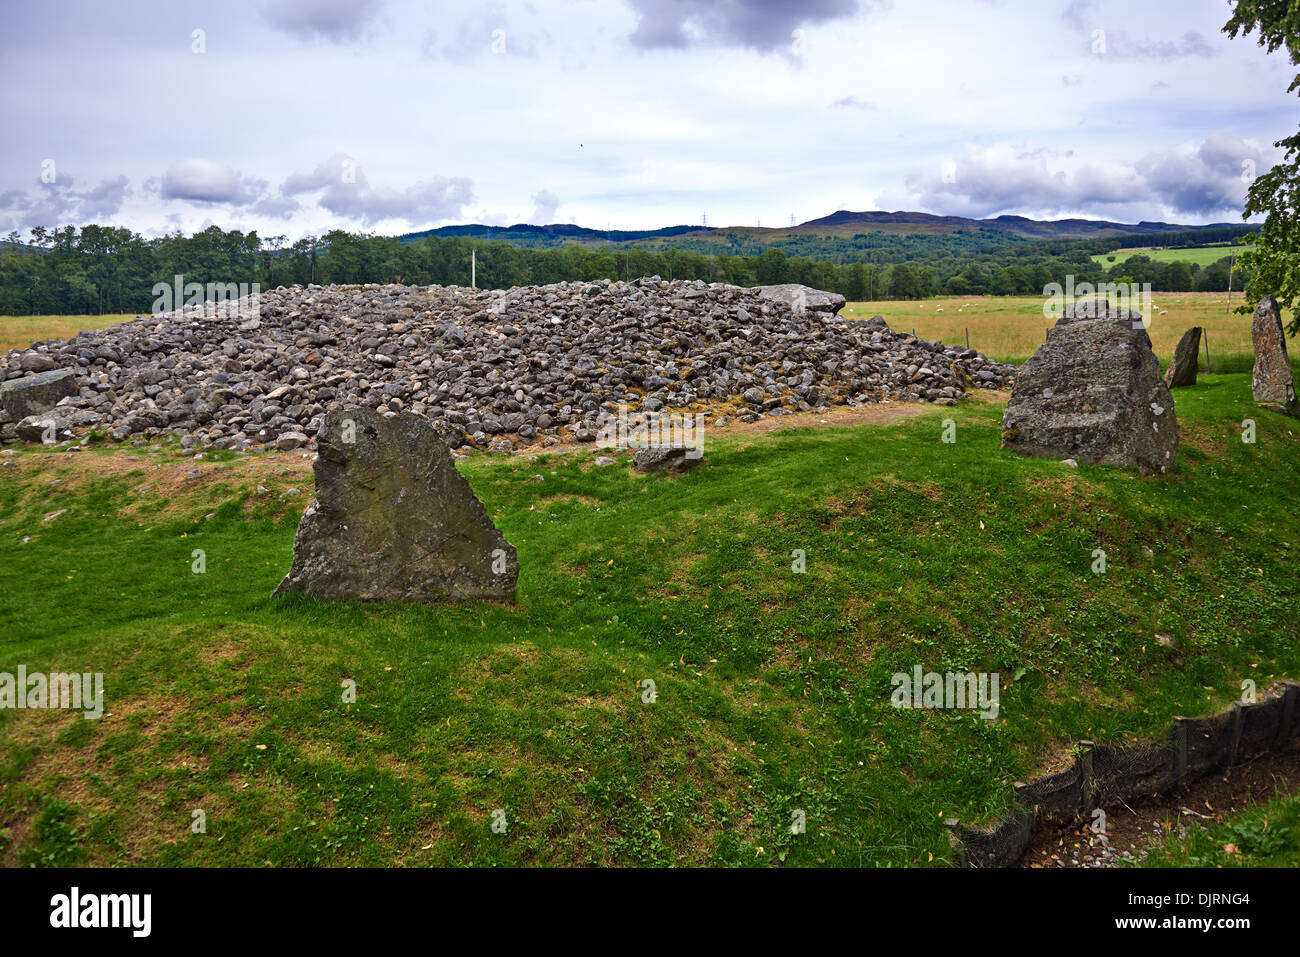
column 19, row 332
column 1201, row 255
column 773, row 687
column 1010, row 328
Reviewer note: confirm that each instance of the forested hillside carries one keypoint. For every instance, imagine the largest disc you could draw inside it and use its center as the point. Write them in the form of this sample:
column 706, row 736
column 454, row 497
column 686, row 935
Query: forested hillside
column 104, row 269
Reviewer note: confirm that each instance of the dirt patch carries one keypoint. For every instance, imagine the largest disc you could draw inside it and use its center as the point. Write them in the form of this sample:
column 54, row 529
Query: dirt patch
column 1131, row 828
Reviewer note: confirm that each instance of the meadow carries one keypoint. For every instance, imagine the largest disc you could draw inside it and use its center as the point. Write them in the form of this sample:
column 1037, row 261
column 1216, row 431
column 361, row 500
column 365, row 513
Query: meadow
column 1199, row 255
column 772, row 685
column 1010, row 328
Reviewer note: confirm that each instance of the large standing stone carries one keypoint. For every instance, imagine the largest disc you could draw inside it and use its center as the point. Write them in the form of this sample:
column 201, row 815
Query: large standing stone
column 1182, row 368
column 35, row 393
column 1092, row 392
column 1272, row 382
column 393, row 520
column 802, row 298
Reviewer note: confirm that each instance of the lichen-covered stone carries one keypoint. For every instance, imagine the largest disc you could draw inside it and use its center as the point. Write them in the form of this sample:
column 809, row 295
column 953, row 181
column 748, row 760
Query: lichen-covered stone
column 1182, row 367
column 1272, row 382
column 1093, row 392
column 31, row 394
column 393, row 520
column 665, row 458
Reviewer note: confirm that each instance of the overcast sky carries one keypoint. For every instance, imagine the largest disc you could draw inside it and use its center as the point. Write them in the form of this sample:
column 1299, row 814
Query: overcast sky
column 305, row 115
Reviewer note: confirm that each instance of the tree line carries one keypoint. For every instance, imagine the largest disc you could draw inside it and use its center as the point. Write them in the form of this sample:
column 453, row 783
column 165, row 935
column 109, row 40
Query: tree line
column 107, row 269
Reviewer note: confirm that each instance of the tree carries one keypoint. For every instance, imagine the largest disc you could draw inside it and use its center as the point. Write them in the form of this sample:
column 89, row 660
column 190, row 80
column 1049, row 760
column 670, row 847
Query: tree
column 771, row 267
column 1274, row 256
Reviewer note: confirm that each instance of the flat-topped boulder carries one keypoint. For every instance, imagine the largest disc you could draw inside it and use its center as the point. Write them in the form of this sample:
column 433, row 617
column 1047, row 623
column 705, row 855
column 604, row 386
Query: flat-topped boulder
column 1272, row 382
column 801, row 298
column 1093, row 393
column 393, row 520
column 31, row 394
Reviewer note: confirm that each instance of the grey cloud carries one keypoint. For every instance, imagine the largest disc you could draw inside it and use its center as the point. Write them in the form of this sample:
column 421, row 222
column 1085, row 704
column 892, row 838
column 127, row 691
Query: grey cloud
column 545, row 203
column 1123, row 47
column 1205, row 182
column 105, row 199
column 1080, row 13
column 488, row 31
column 276, row 207
column 338, row 169
column 759, row 24
column 346, row 192
column 61, row 202
column 1211, row 180
column 336, row 21
column 202, row 181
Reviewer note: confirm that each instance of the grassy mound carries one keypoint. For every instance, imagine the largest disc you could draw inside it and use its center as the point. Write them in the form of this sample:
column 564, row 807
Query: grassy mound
column 773, row 687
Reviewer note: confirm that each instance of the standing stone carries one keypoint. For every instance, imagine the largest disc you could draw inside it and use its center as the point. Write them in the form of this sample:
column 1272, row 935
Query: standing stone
column 393, row 520
column 35, row 393
column 1092, row 392
column 1182, row 368
column 1272, row 382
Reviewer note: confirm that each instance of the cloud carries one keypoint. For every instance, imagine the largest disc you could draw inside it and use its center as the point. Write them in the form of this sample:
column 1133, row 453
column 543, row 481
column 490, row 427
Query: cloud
column 339, row 168
column 61, row 203
column 1204, row 180
column 487, row 31
column 103, row 200
column 1211, row 178
column 346, row 193
column 1080, row 14
column 1192, row 44
column 853, row 103
column 545, row 204
column 276, row 207
column 336, row 21
column 763, row 25
column 202, row 181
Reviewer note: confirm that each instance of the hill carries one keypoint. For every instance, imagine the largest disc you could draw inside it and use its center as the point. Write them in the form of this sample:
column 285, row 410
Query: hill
column 839, row 224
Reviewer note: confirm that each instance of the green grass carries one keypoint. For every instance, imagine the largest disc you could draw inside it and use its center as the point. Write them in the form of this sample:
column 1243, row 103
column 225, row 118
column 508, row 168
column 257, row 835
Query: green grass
column 1010, row 328
column 1200, row 255
column 1266, row 835
column 19, row 332
column 773, row 687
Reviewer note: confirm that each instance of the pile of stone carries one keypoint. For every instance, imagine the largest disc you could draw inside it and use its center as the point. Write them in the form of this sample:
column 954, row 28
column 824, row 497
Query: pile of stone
column 489, row 369
column 1093, row 393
